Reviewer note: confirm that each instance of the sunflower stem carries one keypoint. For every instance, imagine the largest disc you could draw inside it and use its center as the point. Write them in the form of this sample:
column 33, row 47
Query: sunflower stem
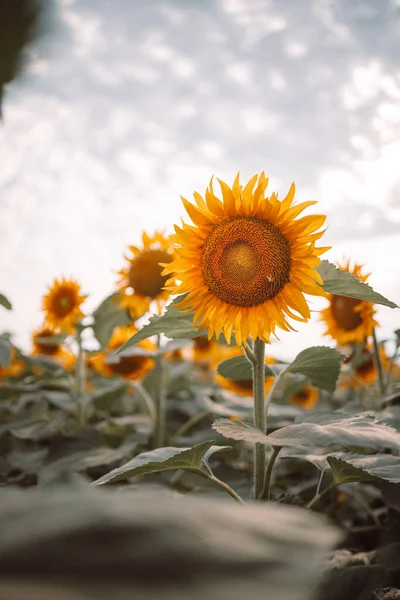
column 220, row 483
column 378, row 364
column 259, row 415
column 159, row 399
column 319, row 495
column 266, row 493
column 81, row 374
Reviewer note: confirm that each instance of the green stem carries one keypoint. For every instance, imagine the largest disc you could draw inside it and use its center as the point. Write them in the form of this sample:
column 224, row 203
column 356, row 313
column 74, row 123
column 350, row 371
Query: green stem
column 159, row 399
column 188, row 425
column 266, row 493
column 249, row 353
column 391, row 363
column 220, row 483
column 260, row 420
column 148, row 400
column 319, row 495
column 378, row 364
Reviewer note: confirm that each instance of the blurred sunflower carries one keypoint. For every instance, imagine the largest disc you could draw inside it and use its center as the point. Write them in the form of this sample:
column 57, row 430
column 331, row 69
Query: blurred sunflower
column 141, row 280
column 14, row 369
column 62, row 305
column 56, row 351
column 349, row 320
column 307, row 397
column 247, row 262
column 243, row 387
column 207, row 351
column 364, row 368
column 128, row 367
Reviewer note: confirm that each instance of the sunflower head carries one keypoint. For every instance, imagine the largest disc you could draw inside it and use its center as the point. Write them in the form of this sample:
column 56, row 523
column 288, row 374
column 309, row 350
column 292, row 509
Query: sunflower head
column 348, row 320
column 62, row 305
column 247, row 261
column 306, row 398
column 363, row 367
column 128, row 367
column 141, row 280
column 42, row 348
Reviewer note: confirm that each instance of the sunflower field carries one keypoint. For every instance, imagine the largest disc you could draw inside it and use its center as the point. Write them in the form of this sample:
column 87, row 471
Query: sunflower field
column 183, row 398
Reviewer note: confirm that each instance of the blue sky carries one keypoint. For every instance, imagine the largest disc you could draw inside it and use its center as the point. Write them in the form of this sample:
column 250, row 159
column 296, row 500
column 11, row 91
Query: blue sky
column 126, row 104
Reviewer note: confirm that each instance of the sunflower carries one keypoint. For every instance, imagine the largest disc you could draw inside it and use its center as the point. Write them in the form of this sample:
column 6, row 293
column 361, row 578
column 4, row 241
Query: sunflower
column 142, row 281
column 207, row 351
column 14, row 369
column 55, row 351
column 244, row 387
column 307, row 397
column 364, row 369
column 62, row 305
column 246, row 263
column 349, row 320
column 128, row 367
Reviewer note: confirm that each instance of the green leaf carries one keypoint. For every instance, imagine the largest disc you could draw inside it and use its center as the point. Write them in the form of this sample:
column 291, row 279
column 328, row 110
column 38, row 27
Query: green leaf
column 92, row 459
column 108, row 316
column 320, row 364
column 234, row 406
column 51, row 340
column 325, row 429
column 360, row 468
column 105, row 398
column 238, row 368
column 5, row 351
column 5, row 302
column 173, row 324
column 342, row 283
column 161, row 459
column 239, row 430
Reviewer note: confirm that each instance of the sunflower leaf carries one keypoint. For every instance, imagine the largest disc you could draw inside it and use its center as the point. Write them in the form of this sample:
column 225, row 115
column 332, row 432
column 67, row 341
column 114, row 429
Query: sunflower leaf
column 173, row 324
column 5, row 302
column 239, row 430
column 238, row 368
column 324, row 429
column 5, row 350
column 108, row 316
column 320, row 364
column 353, row 467
column 161, row 459
column 51, row 340
column 342, row 283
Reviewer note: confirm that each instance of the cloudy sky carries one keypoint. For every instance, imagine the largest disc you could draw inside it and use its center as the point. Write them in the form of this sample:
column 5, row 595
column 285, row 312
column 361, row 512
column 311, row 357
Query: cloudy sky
column 126, row 104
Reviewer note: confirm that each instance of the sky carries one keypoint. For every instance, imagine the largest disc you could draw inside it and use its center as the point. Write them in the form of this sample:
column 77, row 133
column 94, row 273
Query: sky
column 124, row 105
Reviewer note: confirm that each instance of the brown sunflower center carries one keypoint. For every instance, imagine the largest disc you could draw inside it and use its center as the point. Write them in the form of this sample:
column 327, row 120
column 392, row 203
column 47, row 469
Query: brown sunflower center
column 365, row 367
column 344, row 314
column 128, row 365
column 302, row 395
column 202, row 342
column 246, row 261
column 47, row 349
column 145, row 273
column 245, row 384
column 64, row 302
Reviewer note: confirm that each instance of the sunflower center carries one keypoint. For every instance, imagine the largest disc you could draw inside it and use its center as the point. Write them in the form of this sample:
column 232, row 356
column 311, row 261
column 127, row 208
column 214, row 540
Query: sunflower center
column 64, row 302
column 145, row 273
column 48, row 349
column 343, row 312
column 245, row 384
column 246, row 261
column 202, row 342
column 128, row 365
column 302, row 395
